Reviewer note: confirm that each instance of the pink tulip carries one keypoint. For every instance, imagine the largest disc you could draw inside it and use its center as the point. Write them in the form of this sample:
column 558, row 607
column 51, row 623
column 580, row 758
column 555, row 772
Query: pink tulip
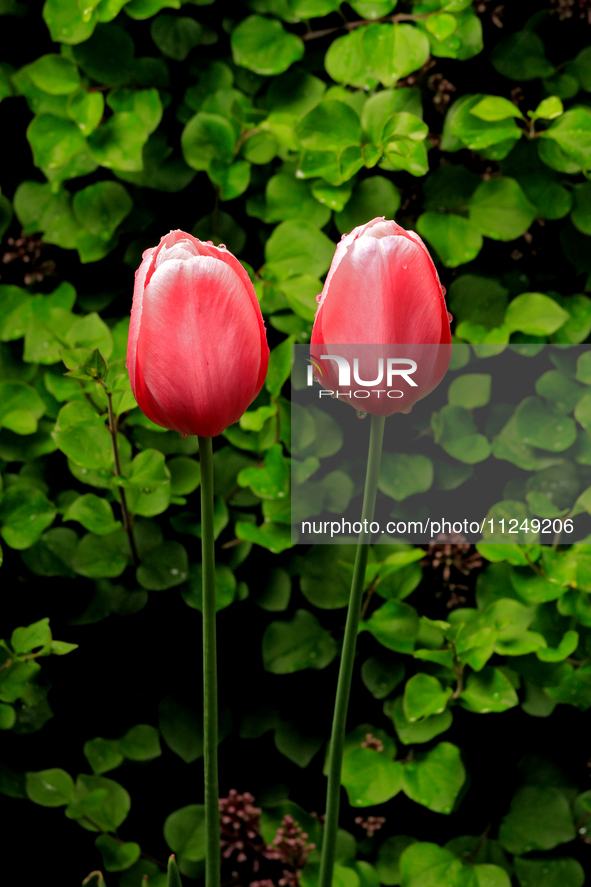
column 197, row 353
column 382, row 289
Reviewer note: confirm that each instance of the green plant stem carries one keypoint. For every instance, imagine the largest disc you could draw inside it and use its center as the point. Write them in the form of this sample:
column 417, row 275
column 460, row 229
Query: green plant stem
column 337, row 741
column 127, row 519
column 210, row 696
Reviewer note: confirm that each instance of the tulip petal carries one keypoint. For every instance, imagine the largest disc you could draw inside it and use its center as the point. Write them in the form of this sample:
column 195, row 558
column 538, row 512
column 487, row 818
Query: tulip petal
column 199, row 345
column 383, row 291
column 136, row 313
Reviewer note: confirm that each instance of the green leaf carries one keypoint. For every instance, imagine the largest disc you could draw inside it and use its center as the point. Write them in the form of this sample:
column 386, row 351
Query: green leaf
column 500, row 210
column 262, row 45
column 86, row 110
column 381, row 676
column 337, row 560
column 435, row 778
column 494, row 107
column 271, row 480
column 455, row 239
column 424, row 696
column 395, row 625
column 474, row 132
column 141, row 743
column 388, row 861
column 537, row 426
column 65, row 22
column 571, row 132
column 548, row 109
column 581, row 214
column 549, row 872
column 176, row 36
column 24, row 640
column 274, row 536
column 50, row 788
column 535, row 314
column 551, row 200
column 54, row 74
column 225, row 587
column 370, row 777
column 101, row 556
column 456, row 432
column 24, row 514
column 108, row 801
column 330, row 126
column 107, row 56
column 164, row 567
column 54, row 140
column 297, row 743
column 380, row 53
column 117, row 143
column 181, row 728
column 297, row 247
column 520, row 56
column 207, row 137
column 539, row 819
column 487, row 691
column 117, row 856
column 101, row 207
column 403, row 475
column 428, row 865
column 470, row 390
column 94, row 513
column 372, row 196
column 297, row 644
column 184, row 832
column 418, row 731
column 103, row 754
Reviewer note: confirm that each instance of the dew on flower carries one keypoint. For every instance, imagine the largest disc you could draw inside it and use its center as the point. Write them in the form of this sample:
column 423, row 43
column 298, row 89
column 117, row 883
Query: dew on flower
column 361, row 414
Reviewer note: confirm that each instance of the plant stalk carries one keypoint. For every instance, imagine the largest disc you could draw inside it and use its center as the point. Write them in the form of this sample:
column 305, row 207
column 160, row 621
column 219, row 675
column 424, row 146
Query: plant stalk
column 337, row 741
column 210, row 697
column 127, row 519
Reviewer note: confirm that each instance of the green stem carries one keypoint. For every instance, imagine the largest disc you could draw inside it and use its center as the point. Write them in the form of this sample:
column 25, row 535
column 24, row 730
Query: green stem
column 337, row 741
column 210, row 696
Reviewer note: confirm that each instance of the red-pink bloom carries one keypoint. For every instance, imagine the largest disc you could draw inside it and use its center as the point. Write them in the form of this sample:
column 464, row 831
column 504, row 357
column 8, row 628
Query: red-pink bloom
column 197, row 353
column 383, row 289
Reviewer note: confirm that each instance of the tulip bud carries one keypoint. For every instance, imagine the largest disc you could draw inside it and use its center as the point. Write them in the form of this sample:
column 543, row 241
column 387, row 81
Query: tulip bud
column 382, row 292
column 197, row 353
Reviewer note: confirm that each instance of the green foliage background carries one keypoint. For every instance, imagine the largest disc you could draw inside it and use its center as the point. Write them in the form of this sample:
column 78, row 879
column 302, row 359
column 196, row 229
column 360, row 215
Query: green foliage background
column 274, row 126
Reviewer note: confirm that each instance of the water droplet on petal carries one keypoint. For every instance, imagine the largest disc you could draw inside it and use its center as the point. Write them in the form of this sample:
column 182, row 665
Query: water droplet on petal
column 318, row 297
column 450, row 316
column 361, row 414
column 182, row 435
column 221, row 245
column 209, row 242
